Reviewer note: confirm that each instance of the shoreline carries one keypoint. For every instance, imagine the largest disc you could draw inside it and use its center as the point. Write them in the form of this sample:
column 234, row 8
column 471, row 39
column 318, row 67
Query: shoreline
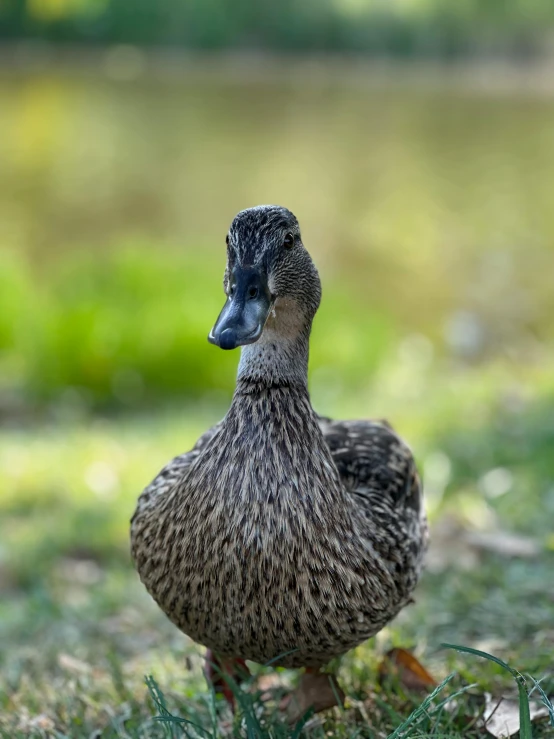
column 125, row 63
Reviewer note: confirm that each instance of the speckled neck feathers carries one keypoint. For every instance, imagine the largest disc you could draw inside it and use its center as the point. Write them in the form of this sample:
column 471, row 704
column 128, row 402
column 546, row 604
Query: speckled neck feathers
column 261, row 454
column 275, row 362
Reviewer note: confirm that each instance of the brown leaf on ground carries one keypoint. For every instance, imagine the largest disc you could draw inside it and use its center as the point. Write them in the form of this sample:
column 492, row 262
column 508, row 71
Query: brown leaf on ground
column 402, row 666
column 318, row 691
column 501, row 715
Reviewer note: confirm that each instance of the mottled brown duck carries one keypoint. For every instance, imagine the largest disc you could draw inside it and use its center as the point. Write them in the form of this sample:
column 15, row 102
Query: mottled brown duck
column 281, row 536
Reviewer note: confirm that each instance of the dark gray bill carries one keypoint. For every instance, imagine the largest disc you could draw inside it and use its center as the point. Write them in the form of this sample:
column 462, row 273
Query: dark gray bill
column 244, row 314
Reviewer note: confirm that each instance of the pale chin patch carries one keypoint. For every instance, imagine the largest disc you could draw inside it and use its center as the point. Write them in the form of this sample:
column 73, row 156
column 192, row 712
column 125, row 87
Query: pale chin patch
column 286, row 320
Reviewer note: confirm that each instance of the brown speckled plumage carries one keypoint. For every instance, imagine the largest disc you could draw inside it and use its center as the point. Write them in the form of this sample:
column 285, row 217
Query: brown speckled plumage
column 282, row 533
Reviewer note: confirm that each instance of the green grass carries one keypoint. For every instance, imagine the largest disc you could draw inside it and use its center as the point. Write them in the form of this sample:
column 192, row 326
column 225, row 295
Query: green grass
column 78, row 633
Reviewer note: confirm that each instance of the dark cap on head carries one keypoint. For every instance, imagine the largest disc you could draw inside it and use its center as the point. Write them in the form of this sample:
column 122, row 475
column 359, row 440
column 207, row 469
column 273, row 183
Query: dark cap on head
column 266, row 260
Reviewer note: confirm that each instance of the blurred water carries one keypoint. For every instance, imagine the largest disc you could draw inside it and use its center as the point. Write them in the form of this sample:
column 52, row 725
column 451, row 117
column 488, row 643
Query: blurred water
column 436, row 205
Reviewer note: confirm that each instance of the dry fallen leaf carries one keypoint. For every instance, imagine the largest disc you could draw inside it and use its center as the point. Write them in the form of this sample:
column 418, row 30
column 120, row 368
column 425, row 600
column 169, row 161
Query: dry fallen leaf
column 403, row 666
column 318, row 691
column 501, row 715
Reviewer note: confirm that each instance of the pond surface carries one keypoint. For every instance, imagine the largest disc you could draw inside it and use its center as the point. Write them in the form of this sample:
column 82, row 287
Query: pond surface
column 435, row 205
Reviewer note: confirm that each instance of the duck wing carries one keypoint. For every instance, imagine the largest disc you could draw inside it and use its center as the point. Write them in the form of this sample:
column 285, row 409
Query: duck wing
column 372, row 459
column 378, row 469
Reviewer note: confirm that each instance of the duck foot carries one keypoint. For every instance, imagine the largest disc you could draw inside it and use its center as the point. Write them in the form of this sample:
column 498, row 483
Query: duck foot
column 217, row 672
column 317, row 690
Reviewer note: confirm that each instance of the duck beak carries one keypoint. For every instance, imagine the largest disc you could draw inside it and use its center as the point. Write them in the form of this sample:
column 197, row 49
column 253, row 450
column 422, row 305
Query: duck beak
column 243, row 317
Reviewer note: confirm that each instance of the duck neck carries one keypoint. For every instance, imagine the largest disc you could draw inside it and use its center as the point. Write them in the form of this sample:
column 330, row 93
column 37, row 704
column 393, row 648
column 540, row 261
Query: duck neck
column 275, row 361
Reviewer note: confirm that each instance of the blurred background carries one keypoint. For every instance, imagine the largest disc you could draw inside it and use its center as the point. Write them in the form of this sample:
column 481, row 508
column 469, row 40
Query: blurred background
column 414, row 140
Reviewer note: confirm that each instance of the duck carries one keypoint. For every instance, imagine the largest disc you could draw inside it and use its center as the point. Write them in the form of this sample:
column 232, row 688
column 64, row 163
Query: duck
column 282, row 537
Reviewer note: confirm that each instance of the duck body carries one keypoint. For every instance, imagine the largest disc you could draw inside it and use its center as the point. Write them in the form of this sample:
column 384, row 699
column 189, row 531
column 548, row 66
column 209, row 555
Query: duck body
column 282, row 536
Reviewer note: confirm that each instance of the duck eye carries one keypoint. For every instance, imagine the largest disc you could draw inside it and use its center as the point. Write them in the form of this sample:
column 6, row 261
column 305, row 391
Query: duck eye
column 289, row 240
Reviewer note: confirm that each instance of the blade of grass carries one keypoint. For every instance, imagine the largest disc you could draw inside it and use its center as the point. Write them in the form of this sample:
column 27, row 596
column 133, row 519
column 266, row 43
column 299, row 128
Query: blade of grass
column 421, row 710
column 280, row 656
column 166, row 716
column 244, row 701
column 525, row 727
column 544, row 698
column 485, row 655
column 340, row 704
column 440, row 709
column 297, row 731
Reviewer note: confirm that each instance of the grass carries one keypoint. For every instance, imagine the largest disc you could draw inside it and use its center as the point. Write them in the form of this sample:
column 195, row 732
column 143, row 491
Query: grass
column 79, row 634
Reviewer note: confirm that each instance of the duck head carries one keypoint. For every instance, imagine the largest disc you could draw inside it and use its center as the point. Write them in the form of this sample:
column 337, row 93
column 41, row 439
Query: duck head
column 271, row 283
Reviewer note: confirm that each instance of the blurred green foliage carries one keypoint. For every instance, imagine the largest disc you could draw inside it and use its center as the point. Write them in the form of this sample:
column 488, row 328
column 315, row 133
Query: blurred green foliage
column 428, row 212
column 130, row 330
column 397, row 27
column 111, row 330
column 515, row 446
